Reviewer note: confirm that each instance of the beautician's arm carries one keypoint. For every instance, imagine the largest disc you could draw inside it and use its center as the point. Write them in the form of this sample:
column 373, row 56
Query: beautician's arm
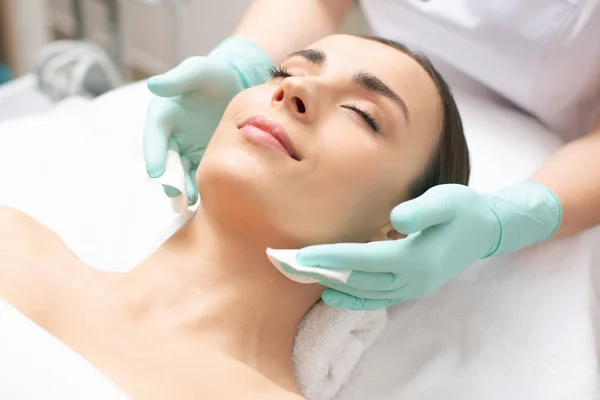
column 282, row 26
column 573, row 174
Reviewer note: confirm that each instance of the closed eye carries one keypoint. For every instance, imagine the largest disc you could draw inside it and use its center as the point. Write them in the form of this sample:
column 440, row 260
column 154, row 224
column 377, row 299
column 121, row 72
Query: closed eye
column 279, row 72
column 368, row 118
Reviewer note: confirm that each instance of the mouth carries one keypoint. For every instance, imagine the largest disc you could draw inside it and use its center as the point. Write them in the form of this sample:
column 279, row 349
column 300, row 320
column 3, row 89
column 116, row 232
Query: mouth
column 269, row 132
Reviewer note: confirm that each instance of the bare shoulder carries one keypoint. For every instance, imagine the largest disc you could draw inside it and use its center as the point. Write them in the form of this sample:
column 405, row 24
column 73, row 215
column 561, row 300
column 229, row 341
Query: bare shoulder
column 283, row 394
column 18, row 228
column 291, row 396
column 33, row 263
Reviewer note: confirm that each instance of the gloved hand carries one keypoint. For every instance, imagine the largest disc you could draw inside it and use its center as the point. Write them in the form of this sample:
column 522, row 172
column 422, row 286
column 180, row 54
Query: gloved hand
column 449, row 227
column 192, row 99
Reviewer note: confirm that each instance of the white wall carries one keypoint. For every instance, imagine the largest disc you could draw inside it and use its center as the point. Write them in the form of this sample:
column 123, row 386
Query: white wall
column 149, row 29
column 29, row 32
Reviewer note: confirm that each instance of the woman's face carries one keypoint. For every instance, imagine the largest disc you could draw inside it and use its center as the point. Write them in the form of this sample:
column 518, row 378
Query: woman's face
column 324, row 154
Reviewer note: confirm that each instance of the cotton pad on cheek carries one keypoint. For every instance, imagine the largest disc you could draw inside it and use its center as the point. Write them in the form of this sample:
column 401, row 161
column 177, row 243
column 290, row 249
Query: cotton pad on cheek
column 287, row 257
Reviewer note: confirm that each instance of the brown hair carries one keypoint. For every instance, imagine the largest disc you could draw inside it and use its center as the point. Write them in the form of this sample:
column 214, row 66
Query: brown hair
column 449, row 162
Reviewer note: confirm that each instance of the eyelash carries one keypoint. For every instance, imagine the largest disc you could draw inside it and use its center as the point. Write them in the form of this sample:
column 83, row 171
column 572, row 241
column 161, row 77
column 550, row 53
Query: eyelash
column 369, row 119
column 281, row 72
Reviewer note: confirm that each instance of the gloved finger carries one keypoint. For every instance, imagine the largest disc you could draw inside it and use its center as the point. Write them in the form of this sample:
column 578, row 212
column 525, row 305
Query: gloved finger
column 342, row 300
column 364, row 294
column 370, row 257
column 427, row 210
column 171, row 192
column 375, row 280
column 156, row 140
column 185, row 77
column 190, row 180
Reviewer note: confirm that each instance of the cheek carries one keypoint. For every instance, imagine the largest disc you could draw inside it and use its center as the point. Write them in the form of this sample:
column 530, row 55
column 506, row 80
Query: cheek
column 227, row 152
column 340, row 193
column 347, row 162
column 257, row 97
column 349, row 187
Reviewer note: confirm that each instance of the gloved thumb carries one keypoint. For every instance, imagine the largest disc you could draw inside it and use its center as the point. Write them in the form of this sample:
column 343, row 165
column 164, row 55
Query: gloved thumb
column 425, row 211
column 188, row 76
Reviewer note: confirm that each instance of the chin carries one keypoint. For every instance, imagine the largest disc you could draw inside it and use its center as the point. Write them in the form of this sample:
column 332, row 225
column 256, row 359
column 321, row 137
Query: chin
column 241, row 200
column 235, row 192
column 227, row 176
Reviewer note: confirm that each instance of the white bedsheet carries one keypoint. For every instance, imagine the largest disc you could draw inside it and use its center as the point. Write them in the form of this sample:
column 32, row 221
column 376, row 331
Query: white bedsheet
column 36, row 365
column 98, row 144
column 518, row 327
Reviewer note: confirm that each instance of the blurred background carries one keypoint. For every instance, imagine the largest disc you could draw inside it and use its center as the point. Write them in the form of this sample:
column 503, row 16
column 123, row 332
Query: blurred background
column 53, row 49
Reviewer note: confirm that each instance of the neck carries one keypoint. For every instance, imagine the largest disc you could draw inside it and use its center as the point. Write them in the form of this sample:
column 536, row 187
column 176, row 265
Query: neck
column 218, row 286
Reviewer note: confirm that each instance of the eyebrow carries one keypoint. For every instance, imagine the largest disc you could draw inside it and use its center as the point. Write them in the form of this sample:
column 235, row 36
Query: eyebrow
column 364, row 79
column 373, row 84
column 314, row 56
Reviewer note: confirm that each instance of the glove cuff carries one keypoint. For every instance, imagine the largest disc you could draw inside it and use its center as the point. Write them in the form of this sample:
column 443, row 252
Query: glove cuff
column 529, row 213
column 246, row 58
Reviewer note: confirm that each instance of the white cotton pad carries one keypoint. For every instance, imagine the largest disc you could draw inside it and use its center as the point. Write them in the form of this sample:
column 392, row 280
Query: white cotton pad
column 288, row 257
column 174, row 176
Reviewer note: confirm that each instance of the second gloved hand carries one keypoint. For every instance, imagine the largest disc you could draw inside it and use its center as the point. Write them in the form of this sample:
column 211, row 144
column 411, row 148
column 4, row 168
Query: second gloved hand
column 191, row 100
column 449, row 227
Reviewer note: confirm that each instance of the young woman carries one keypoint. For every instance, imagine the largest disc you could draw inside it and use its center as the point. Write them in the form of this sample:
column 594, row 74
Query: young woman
column 321, row 153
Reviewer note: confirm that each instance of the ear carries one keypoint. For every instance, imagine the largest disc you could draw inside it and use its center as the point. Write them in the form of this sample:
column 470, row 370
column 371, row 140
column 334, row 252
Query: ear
column 387, row 232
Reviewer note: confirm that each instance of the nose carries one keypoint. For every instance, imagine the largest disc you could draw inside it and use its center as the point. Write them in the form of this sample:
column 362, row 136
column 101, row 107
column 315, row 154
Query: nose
column 297, row 98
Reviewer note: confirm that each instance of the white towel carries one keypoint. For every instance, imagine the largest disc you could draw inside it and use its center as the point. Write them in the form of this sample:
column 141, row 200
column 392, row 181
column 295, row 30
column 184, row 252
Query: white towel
column 329, row 344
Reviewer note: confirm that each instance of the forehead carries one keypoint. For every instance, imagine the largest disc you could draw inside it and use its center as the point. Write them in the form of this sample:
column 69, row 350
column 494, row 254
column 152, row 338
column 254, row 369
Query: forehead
column 351, row 52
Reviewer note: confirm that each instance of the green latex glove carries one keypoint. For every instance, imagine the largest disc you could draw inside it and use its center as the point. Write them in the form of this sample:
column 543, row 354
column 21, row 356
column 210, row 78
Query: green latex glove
column 449, row 227
column 192, row 99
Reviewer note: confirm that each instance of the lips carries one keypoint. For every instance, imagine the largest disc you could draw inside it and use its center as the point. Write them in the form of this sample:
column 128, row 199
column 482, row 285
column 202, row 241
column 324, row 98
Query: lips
column 272, row 128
